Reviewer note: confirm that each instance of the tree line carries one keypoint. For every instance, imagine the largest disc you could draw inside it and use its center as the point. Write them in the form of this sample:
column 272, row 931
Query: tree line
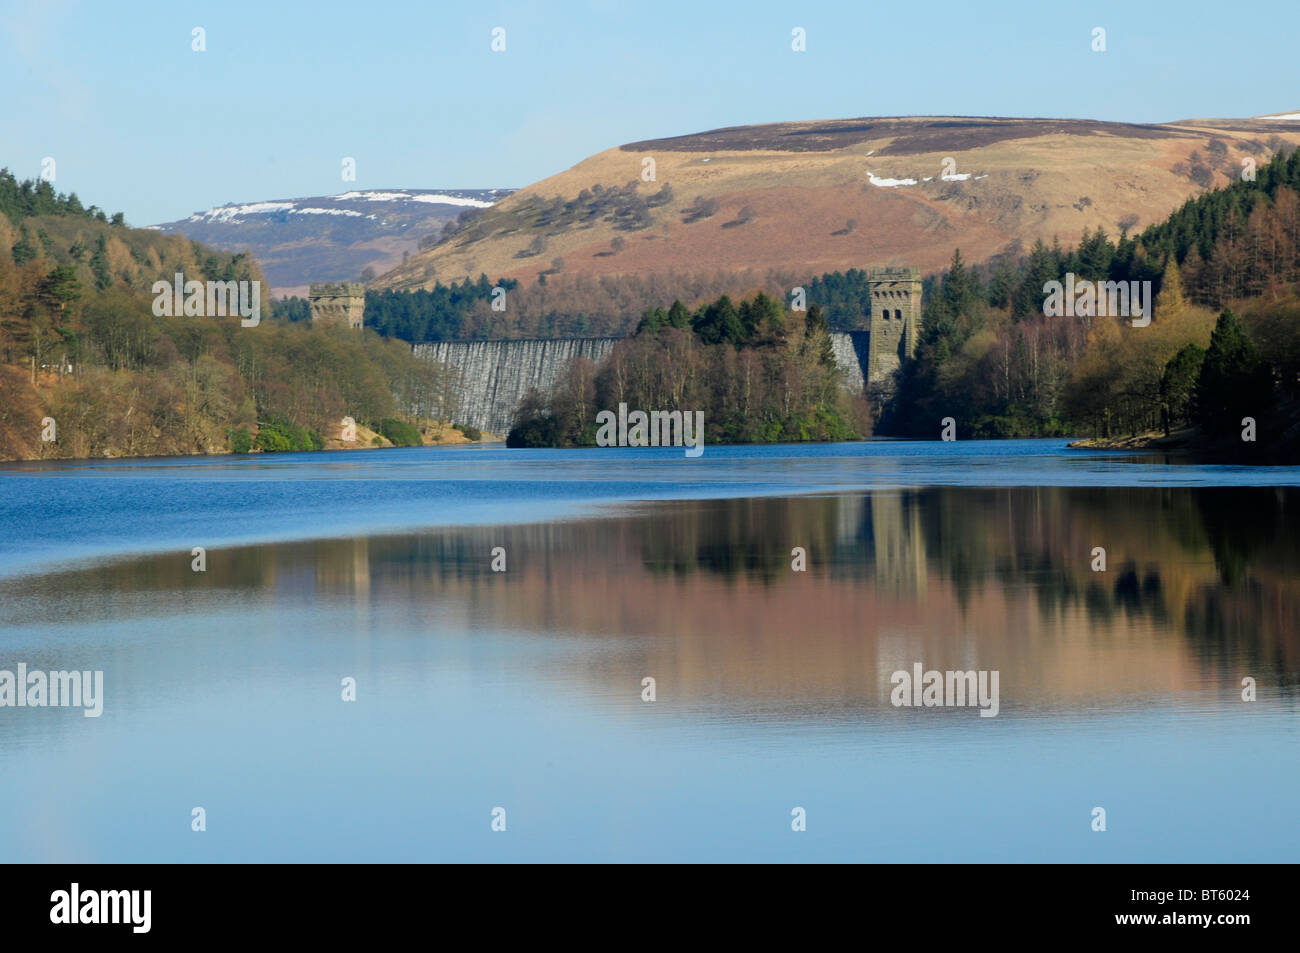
column 586, row 305
column 758, row 373
column 79, row 343
column 991, row 359
column 29, row 198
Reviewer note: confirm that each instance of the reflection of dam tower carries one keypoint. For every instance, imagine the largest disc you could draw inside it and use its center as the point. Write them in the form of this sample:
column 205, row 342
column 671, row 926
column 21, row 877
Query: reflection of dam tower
column 899, row 542
column 895, row 320
column 344, row 566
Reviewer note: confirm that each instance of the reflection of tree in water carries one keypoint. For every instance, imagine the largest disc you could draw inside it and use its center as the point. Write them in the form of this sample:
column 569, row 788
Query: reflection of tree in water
column 1220, row 565
column 750, row 537
column 1254, row 611
column 1140, row 592
column 1242, row 523
column 1041, row 539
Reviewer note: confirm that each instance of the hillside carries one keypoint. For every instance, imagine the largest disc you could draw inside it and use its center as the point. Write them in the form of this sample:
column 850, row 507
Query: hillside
column 1210, row 346
column 814, row 197
column 331, row 237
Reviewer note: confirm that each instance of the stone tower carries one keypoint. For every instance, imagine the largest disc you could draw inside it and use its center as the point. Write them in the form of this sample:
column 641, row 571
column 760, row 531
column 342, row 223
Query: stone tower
column 342, row 303
column 895, row 320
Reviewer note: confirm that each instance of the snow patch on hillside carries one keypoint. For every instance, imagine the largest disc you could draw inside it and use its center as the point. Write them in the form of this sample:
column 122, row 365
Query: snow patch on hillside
column 234, row 214
column 884, row 183
column 327, row 211
column 888, row 183
column 436, row 198
column 229, row 213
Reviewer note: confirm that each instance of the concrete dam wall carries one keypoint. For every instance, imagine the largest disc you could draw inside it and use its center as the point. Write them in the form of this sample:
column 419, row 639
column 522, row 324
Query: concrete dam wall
column 494, row 375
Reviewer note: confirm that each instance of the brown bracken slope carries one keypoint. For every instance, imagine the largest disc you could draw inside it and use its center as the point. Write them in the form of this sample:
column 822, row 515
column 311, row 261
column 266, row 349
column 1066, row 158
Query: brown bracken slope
column 810, row 197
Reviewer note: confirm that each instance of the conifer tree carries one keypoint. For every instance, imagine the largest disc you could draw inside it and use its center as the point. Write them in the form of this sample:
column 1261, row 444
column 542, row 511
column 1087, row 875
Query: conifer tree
column 1170, row 302
column 1233, row 383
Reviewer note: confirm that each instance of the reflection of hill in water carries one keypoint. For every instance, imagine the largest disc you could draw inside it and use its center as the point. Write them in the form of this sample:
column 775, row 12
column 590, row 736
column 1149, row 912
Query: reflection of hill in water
column 1202, row 588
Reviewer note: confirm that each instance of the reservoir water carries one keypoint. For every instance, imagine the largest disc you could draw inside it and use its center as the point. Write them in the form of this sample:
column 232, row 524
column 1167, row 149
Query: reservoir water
column 524, row 689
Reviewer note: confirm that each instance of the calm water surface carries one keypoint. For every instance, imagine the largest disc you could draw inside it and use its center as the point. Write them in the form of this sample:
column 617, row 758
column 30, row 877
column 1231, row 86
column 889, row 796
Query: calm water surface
column 477, row 689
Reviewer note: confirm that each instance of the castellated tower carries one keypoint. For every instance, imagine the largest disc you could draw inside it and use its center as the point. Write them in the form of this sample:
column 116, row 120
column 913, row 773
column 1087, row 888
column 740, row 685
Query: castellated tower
column 342, row 303
column 895, row 320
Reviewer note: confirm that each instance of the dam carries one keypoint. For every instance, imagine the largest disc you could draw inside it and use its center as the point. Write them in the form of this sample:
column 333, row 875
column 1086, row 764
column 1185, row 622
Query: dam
column 494, row 375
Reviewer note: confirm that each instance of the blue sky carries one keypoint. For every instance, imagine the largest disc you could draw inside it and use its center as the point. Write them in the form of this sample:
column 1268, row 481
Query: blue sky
column 139, row 122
